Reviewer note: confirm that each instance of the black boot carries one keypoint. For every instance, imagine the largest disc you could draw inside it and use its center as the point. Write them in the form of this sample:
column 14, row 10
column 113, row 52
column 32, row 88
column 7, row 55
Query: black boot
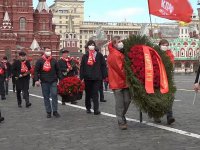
column 28, row 105
column 56, row 114
column 1, row 118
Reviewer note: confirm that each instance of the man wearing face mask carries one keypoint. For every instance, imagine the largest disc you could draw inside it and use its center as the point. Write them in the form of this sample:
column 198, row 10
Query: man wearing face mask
column 117, row 80
column 93, row 71
column 67, row 68
column 21, row 72
column 164, row 46
column 47, row 72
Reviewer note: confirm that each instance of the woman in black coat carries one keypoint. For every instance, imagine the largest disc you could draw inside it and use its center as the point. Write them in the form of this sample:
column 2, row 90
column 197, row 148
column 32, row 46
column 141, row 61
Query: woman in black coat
column 92, row 70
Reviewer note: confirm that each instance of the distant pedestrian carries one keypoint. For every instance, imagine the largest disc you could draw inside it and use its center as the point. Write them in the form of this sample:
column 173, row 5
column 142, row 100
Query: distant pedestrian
column 7, row 65
column 47, row 72
column 21, row 71
column 3, row 78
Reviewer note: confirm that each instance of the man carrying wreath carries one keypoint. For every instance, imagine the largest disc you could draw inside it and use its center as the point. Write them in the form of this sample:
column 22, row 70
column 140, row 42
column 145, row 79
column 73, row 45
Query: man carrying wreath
column 67, row 69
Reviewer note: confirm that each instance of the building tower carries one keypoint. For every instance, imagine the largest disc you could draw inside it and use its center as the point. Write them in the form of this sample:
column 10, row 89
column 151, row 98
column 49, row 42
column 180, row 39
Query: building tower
column 44, row 30
column 7, row 38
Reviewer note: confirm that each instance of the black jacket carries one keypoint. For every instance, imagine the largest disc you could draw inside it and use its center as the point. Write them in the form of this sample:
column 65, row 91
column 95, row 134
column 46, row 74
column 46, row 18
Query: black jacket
column 63, row 68
column 52, row 76
column 5, row 75
column 97, row 71
column 16, row 69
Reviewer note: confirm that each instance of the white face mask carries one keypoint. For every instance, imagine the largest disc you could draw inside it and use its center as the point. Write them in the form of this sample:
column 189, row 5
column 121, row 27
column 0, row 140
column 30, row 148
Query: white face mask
column 48, row 53
column 120, row 46
column 163, row 48
column 91, row 47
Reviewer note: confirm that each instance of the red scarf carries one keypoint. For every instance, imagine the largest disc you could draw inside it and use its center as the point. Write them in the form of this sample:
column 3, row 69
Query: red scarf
column 91, row 59
column 24, row 68
column 67, row 60
column 1, row 71
column 47, row 64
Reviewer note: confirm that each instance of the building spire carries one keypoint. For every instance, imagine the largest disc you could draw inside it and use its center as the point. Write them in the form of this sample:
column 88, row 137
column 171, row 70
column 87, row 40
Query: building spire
column 6, row 25
column 6, row 17
column 42, row 5
column 35, row 45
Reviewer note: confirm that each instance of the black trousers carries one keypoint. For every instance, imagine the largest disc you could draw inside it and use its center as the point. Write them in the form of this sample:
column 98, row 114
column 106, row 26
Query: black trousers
column 101, row 91
column 22, row 85
column 91, row 93
column 2, row 87
column 14, row 82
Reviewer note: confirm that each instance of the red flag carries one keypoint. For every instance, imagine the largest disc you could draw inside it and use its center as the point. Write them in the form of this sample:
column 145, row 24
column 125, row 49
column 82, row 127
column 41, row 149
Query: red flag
column 180, row 10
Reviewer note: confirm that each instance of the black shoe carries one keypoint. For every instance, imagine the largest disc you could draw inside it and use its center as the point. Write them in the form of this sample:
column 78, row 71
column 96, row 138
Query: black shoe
column 170, row 120
column 28, row 105
column 3, row 98
column 63, row 103
column 48, row 115
column 88, row 111
column 56, row 114
column 74, row 102
column 103, row 100
column 97, row 113
column 1, row 119
column 6, row 93
column 20, row 106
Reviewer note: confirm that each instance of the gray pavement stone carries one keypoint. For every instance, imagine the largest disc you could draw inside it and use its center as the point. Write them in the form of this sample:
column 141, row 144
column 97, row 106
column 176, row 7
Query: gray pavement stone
column 29, row 129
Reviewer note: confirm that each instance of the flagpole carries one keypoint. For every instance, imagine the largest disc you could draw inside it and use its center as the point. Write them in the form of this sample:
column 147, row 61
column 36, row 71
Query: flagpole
column 150, row 18
column 195, row 95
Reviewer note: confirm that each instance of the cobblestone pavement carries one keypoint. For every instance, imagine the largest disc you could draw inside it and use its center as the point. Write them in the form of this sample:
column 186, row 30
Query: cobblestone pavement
column 29, row 129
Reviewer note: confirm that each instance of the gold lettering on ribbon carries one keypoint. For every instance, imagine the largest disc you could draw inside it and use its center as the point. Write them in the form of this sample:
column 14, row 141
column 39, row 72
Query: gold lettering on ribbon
column 149, row 68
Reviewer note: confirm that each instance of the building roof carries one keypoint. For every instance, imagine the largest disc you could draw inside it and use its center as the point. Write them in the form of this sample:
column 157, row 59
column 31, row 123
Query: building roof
column 34, row 45
column 42, row 6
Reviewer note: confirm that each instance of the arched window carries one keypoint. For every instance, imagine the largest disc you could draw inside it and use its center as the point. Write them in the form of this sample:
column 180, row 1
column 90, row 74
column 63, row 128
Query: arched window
column 22, row 24
column 43, row 25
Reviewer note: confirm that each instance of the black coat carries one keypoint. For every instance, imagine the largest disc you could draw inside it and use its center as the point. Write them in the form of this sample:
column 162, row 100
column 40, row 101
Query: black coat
column 5, row 75
column 16, row 69
column 97, row 71
column 52, row 76
column 63, row 68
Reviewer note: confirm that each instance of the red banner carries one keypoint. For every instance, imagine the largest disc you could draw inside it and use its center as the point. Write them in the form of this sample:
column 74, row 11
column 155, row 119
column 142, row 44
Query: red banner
column 179, row 10
column 164, row 87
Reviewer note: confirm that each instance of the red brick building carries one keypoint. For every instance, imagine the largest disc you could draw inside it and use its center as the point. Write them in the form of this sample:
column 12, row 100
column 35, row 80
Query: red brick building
column 20, row 24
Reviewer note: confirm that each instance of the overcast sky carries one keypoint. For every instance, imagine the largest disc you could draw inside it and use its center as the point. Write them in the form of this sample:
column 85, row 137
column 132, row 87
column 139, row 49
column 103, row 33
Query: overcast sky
column 119, row 10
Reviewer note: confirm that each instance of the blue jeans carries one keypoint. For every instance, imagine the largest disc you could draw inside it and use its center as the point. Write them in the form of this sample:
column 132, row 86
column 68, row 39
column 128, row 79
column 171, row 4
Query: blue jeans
column 50, row 90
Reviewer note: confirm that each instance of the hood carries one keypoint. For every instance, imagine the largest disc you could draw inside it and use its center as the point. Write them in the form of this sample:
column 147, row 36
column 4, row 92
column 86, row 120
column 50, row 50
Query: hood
column 111, row 48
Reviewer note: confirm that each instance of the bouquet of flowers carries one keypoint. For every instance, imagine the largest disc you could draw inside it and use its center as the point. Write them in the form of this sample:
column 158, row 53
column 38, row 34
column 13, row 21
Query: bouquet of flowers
column 155, row 103
column 71, row 87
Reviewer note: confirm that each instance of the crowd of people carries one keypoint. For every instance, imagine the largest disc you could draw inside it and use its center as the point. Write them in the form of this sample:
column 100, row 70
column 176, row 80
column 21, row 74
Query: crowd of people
column 94, row 69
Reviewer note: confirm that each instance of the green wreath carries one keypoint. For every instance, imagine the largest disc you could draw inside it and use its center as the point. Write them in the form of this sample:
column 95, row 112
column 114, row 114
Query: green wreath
column 155, row 105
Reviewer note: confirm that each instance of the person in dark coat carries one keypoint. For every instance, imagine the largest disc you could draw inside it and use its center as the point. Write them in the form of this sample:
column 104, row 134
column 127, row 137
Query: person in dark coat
column 8, row 72
column 21, row 72
column 47, row 72
column 68, row 68
column 3, row 78
column 93, row 71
